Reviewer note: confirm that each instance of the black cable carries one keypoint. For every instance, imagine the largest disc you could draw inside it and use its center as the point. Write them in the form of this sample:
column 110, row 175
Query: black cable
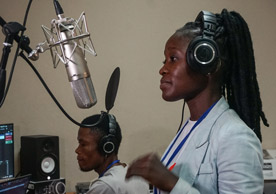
column 182, row 116
column 103, row 114
column 27, row 13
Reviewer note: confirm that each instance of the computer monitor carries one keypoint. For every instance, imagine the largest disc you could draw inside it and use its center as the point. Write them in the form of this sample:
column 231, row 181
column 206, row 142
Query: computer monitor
column 6, row 151
column 17, row 185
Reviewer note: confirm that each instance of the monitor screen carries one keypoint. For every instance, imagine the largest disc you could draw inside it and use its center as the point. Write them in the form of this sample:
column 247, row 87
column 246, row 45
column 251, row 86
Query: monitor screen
column 6, row 151
column 17, row 185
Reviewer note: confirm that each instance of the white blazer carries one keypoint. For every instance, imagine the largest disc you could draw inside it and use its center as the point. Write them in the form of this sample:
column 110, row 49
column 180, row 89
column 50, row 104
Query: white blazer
column 223, row 156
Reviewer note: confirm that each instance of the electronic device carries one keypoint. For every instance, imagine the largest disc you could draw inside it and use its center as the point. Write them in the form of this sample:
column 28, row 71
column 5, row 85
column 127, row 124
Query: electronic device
column 6, row 151
column 55, row 186
column 269, row 166
column 39, row 156
column 17, row 185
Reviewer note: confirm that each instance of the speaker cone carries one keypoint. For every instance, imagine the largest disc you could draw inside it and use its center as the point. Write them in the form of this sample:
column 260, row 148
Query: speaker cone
column 48, row 165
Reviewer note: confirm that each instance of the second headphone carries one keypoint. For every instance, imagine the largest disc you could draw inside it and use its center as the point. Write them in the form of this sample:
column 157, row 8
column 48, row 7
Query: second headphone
column 202, row 52
column 109, row 143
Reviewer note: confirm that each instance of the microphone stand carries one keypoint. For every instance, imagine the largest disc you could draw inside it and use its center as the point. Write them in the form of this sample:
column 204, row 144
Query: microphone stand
column 10, row 30
column 3, row 91
column 5, row 55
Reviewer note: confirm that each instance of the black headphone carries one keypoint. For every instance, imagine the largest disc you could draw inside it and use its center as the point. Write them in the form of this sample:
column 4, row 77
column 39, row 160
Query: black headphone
column 202, row 52
column 108, row 143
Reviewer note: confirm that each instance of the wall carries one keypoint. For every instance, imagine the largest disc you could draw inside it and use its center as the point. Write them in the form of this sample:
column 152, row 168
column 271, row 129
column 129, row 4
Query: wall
column 129, row 34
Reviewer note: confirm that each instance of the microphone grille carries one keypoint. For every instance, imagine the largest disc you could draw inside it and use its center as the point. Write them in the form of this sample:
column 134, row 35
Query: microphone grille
column 84, row 92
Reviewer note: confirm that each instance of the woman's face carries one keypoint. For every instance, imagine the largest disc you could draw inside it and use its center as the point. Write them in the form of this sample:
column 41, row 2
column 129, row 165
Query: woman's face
column 178, row 80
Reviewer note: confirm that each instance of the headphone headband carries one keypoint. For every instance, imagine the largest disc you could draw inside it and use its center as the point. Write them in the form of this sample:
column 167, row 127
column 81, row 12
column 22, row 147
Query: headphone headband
column 208, row 23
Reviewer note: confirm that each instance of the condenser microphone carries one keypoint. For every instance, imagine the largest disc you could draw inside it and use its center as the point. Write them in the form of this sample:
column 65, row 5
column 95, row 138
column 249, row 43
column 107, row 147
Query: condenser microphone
column 74, row 60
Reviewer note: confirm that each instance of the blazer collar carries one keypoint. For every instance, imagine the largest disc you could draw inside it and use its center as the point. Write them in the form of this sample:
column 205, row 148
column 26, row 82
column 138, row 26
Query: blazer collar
column 198, row 145
column 203, row 130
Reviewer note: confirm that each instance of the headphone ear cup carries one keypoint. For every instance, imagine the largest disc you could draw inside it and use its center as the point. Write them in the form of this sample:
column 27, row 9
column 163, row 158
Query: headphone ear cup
column 107, row 144
column 202, row 55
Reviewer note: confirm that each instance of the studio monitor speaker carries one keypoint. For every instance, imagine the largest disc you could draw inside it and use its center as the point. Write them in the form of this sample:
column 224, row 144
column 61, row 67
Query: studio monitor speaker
column 39, row 156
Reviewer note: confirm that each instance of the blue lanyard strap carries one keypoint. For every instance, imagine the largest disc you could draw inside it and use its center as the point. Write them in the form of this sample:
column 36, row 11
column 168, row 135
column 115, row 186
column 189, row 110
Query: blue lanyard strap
column 166, row 154
column 186, row 137
column 108, row 167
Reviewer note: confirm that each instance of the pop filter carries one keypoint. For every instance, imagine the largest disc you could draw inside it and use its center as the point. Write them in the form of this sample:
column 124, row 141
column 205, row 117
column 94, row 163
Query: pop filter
column 112, row 88
column 110, row 96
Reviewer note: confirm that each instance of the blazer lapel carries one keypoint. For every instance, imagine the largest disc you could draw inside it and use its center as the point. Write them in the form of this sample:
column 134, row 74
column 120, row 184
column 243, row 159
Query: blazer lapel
column 194, row 153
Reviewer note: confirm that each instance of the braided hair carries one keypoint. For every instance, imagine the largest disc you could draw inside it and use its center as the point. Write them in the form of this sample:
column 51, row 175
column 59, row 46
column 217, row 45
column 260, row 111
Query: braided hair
column 238, row 83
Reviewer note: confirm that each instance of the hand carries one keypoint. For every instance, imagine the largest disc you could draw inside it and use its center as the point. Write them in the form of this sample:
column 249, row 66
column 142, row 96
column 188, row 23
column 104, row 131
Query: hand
column 150, row 168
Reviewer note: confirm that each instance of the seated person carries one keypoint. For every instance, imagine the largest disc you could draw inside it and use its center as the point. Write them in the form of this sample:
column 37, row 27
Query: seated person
column 98, row 151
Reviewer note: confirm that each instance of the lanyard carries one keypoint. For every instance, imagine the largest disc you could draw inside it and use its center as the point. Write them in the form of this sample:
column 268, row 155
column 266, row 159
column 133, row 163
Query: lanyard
column 183, row 141
column 166, row 154
column 186, row 137
column 108, row 167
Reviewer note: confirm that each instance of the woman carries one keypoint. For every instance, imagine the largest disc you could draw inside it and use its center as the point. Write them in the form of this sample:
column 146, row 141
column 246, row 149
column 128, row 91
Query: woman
column 210, row 64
